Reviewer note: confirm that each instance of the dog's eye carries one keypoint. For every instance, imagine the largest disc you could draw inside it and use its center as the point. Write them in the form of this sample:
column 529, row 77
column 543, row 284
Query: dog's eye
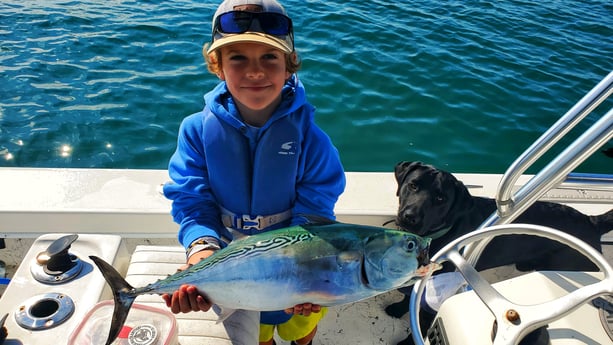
column 412, row 187
column 440, row 199
column 411, row 246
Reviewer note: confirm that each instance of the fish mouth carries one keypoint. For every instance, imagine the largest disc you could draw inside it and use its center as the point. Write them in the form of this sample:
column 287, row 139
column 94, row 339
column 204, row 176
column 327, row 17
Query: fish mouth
column 423, row 257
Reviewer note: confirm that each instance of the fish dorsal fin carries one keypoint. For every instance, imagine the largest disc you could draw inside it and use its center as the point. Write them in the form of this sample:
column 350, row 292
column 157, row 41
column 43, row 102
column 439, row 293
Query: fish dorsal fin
column 313, row 219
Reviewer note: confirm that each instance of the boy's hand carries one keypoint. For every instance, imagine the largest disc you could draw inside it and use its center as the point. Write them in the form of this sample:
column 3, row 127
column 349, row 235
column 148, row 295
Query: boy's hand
column 187, row 298
column 304, row 309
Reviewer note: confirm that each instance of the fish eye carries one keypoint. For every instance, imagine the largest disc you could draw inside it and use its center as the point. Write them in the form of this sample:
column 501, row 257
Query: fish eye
column 411, row 246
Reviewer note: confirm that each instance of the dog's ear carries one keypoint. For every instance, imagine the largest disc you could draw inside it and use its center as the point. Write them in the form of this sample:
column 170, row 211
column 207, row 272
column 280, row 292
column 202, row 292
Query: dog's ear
column 461, row 204
column 462, row 196
column 401, row 171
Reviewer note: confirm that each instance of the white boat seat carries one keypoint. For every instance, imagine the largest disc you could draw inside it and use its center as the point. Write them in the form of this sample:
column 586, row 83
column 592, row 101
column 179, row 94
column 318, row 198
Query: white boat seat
column 149, row 263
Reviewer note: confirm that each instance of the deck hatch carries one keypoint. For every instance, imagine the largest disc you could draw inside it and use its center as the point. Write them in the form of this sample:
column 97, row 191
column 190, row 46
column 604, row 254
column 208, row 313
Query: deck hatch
column 436, row 334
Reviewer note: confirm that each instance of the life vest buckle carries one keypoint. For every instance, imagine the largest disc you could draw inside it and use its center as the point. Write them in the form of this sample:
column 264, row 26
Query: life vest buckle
column 248, row 222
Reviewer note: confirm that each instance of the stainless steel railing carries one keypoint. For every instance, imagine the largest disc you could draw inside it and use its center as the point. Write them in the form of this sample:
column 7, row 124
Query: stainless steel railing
column 590, row 182
column 510, row 206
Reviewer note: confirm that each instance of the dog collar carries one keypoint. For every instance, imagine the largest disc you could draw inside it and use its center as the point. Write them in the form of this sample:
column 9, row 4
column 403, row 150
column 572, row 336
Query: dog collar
column 440, row 233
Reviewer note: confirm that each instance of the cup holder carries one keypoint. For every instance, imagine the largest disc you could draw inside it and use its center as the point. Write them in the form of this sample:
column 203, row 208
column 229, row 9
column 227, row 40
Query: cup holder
column 44, row 311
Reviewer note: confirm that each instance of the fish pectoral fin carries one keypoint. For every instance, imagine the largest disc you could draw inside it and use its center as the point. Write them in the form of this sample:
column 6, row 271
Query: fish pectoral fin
column 348, row 257
column 223, row 314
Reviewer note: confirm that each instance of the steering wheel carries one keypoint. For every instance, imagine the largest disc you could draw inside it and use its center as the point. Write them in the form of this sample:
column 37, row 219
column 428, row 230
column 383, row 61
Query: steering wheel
column 511, row 329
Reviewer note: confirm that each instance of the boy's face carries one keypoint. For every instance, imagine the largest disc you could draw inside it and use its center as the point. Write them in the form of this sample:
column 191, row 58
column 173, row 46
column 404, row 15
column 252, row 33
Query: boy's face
column 255, row 74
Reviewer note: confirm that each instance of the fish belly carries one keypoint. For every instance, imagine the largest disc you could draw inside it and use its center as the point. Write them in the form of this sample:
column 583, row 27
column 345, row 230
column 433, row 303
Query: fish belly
column 276, row 284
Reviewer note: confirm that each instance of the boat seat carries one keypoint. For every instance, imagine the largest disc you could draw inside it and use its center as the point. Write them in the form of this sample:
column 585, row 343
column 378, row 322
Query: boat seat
column 150, row 263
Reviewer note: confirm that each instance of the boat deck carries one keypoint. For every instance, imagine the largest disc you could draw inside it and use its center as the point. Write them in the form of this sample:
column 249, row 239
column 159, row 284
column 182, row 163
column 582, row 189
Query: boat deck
column 128, row 202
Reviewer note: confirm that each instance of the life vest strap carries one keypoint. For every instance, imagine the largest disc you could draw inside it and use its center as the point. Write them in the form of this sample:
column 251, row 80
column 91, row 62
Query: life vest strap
column 249, row 222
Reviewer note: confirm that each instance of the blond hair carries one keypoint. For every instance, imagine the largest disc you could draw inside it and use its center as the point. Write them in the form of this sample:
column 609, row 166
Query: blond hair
column 213, row 61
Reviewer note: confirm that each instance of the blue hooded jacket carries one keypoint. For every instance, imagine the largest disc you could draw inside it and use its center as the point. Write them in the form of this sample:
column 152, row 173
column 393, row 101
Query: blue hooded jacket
column 287, row 164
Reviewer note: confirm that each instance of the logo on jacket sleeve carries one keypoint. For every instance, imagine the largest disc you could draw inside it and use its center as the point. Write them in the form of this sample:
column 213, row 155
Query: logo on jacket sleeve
column 288, row 148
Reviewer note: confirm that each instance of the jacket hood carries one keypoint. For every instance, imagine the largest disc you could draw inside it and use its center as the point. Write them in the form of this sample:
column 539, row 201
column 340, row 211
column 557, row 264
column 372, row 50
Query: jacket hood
column 220, row 102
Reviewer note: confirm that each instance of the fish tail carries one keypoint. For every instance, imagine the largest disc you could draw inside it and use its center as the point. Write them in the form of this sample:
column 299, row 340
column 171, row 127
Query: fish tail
column 122, row 294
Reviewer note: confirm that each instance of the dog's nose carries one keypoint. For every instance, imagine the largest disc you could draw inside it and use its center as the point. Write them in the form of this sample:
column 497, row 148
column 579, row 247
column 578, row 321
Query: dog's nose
column 410, row 218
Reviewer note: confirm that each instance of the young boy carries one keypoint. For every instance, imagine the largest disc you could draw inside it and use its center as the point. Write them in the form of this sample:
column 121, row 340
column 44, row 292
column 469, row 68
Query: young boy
column 253, row 160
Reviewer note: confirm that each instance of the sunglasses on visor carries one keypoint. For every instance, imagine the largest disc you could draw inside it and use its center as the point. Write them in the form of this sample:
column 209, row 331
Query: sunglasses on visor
column 238, row 22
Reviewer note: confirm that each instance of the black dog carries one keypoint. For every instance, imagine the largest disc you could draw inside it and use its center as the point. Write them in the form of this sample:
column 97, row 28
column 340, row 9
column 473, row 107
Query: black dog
column 435, row 204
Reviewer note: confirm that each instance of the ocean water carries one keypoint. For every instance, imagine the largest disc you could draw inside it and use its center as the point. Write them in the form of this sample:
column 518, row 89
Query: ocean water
column 465, row 85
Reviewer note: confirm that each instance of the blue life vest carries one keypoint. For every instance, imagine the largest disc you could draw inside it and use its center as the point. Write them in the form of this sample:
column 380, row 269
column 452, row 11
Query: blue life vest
column 255, row 171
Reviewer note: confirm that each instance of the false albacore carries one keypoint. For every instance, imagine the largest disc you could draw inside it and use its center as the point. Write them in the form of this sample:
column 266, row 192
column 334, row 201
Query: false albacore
column 329, row 265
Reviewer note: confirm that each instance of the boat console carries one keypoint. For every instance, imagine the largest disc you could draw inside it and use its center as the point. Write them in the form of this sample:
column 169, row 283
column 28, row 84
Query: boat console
column 464, row 319
column 56, row 285
column 564, row 307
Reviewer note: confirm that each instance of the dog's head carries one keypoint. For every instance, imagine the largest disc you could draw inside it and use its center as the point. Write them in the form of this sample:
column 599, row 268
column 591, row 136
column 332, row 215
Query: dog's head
column 430, row 200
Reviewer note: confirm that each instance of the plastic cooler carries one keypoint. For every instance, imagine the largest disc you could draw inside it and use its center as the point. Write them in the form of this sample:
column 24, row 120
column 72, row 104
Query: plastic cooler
column 144, row 326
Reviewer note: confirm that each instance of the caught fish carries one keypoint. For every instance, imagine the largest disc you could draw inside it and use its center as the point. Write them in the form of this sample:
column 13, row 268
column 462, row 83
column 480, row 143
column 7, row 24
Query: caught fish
column 326, row 264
